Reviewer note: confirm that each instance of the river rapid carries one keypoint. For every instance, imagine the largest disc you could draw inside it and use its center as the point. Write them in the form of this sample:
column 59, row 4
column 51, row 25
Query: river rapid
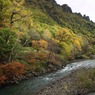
column 34, row 85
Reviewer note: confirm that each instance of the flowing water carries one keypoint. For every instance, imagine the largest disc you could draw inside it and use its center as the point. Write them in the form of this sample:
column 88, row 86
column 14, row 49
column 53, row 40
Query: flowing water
column 35, row 84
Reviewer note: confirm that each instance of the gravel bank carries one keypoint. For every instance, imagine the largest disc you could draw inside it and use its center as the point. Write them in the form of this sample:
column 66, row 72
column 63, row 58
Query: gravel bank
column 64, row 86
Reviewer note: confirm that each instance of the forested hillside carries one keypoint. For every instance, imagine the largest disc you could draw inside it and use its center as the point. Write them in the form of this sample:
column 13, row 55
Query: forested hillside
column 38, row 36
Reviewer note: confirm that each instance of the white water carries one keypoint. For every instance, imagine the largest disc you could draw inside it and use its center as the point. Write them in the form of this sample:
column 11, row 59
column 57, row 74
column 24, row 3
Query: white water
column 33, row 85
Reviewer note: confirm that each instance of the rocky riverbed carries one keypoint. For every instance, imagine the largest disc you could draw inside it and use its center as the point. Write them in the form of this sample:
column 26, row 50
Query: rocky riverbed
column 66, row 86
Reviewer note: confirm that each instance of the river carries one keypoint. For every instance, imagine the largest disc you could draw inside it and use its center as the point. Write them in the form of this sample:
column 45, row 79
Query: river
column 33, row 85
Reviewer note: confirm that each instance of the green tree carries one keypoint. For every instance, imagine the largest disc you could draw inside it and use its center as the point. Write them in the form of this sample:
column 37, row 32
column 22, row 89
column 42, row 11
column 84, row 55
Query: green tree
column 7, row 44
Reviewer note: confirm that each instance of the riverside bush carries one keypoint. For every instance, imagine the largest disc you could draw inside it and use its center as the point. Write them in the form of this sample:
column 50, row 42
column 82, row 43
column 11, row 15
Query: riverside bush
column 10, row 71
column 86, row 79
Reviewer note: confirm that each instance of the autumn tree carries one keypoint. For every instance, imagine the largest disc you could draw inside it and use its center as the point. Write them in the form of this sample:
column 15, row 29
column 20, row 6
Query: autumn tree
column 40, row 44
column 70, row 43
column 63, row 35
column 53, row 46
column 14, row 15
column 47, row 35
column 3, row 7
column 20, row 20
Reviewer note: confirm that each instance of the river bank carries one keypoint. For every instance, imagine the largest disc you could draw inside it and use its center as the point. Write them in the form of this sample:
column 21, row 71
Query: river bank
column 51, row 68
column 67, row 76
column 70, row 85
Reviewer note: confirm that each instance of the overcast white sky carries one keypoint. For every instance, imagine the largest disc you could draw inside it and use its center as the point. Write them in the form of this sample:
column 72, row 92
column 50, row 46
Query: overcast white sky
column 83, row 6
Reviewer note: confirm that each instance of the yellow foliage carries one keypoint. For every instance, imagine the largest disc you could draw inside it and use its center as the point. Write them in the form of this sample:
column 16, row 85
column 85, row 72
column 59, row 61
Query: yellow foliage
column 77, row 43
column 66, row 49
column 55, row 40
column 17, row 17
column 47, row 34
column 40, row 44
column 64, row 35
column 17, row 2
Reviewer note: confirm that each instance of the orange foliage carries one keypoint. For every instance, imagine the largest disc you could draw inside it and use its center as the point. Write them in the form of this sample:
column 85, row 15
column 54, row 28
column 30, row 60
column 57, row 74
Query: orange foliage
column 36, row 56
column 11, row 70
column 33, row 60
column 42, row 55
column 29, row 55
column 41, row 44
column 2, row 79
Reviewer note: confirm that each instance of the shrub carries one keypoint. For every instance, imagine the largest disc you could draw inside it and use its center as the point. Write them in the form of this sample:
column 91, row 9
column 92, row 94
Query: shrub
column 35, row 60
column 86, row 79
column 2, row 79
column 11, row 70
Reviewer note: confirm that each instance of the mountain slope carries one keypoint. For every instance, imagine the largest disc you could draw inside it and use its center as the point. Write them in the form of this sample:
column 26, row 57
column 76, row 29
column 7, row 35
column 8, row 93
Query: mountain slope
column 63, row 15
column 42, row 36
column 54, row 17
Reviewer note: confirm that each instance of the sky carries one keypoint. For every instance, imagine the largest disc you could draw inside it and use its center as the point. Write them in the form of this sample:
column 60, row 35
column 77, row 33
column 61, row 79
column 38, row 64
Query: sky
column 83, row 6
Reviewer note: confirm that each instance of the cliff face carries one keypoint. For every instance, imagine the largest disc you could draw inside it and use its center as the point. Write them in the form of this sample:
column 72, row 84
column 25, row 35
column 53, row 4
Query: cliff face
column 51, row 5
column 66, row 8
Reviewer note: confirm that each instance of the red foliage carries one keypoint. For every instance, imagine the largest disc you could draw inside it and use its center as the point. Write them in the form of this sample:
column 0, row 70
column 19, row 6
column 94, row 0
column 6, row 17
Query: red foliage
column 10, row 71
column 2, row 79
column 13, row 69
